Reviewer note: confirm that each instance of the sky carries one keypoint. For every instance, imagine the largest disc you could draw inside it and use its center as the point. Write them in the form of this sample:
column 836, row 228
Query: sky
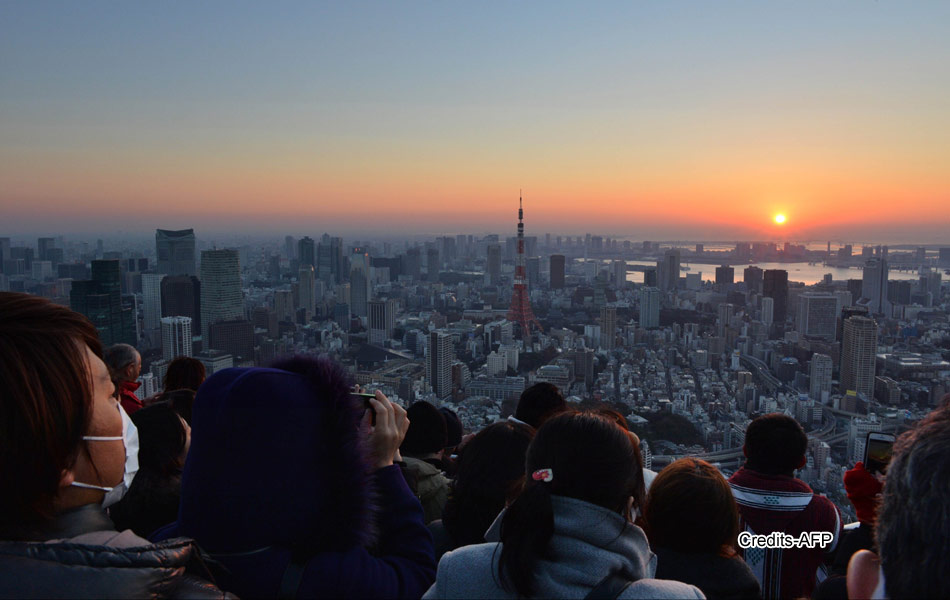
column 649, row 120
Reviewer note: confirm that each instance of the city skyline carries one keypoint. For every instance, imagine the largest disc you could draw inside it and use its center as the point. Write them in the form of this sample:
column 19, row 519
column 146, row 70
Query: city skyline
column 678, row 121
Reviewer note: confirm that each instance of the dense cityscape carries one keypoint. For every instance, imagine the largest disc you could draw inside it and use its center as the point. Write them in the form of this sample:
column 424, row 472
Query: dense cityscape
column 690, row 341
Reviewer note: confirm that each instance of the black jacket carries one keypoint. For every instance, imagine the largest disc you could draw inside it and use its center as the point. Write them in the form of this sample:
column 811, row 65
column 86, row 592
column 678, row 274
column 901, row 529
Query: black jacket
column 62, row 568
column 717, row 576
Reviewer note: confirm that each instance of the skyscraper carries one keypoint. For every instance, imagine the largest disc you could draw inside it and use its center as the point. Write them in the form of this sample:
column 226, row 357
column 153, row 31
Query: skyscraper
column 768, row 311
column 819, row 381
column 306, row 254
column 608, row 328
column 858, row 351
column 43, row 247
column 359, row 284
column 222, row 298
column 100, row 300
column 818, row 316
column 493, row 266
column 557, row 271
column 176, row 337
column 668, row 270
column 752, row 276
column 382, row 320
column 649, row 307
column 874, row 284
column 725, row 274
column 175, row 251
column 152, row 300
column 181, row 297
column 439, row 363
column 775, row 286
column 305, row 293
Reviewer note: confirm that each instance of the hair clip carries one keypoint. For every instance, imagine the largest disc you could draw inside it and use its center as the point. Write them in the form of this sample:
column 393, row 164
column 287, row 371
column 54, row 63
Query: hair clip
column 545, row 475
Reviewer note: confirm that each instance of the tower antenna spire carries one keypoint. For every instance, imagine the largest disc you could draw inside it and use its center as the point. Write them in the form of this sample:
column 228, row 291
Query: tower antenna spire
column 520, row 311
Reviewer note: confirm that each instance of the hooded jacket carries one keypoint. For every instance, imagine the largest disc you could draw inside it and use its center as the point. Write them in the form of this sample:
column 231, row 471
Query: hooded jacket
column 588, row 543
column 778, row 503
column 130, row 402
column 278, row 489
column 81, row 555
column 432, row 487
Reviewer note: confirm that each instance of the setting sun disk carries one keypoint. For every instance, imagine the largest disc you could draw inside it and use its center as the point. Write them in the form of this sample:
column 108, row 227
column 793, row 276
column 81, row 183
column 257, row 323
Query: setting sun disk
column 779, row 219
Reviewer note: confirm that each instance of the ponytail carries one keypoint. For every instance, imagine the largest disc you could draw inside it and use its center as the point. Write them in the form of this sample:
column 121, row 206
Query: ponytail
column 526, row 531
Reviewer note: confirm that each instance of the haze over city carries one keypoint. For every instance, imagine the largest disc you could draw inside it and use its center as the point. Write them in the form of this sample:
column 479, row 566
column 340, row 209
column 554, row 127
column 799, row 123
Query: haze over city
column 668, row 121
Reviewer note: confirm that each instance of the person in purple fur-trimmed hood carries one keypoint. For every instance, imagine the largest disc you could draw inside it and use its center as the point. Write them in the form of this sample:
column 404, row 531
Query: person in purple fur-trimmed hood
column 293, row 492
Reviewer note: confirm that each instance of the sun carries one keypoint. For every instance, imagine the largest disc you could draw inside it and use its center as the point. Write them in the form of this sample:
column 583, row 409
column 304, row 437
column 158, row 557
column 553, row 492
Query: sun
column 780, row 219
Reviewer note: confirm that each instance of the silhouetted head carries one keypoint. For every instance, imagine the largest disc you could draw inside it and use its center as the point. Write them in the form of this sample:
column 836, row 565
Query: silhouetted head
column 184, row 373
column 539, row 402
column 490, row 473
column 690, row 508
column 453, row 428
column 913, row 525
column 775, row 444
column 427, row 431
column 163, row 438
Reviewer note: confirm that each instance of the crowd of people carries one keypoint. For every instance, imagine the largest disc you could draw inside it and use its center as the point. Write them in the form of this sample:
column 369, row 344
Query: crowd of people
column 282, row 482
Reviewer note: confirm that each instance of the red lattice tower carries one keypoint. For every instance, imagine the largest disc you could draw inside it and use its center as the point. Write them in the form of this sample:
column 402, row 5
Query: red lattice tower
column 520, row 311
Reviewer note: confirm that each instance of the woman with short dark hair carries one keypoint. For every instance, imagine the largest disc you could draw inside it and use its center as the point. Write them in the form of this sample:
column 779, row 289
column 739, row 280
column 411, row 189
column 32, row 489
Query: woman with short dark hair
column 693, row 522
column 69, row 451
column 569, row 531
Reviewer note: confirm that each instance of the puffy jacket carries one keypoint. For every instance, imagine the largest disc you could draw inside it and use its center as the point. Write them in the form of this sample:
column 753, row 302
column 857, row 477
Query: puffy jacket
column 432, row 487
column 99, row 562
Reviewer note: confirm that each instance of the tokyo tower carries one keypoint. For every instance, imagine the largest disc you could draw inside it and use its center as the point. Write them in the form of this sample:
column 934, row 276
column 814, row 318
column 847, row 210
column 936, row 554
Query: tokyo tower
column 520, row 311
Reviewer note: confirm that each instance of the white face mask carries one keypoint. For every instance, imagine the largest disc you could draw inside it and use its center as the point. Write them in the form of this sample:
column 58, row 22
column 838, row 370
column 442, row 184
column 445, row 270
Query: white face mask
column 130, row 438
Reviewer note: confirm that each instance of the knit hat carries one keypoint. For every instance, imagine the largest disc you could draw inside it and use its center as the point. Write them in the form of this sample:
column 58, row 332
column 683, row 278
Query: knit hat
column 863, row 491
column 277, row 459
column 453, row 428
column 427, row 430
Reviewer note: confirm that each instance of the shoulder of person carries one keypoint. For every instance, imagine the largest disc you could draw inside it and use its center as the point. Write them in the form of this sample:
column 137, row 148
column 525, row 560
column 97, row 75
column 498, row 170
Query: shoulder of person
column 660, row 589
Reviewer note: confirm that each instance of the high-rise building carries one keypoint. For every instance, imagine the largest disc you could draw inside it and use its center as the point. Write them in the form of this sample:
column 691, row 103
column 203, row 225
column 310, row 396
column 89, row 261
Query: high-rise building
column 152, row 300
column 175, row 251
column 290, row 247
column 306, row 253
column 557, row 271
column 359, row 285
column 233, row 337
column 858, row 350
column 493, row 266
column 284, row 305
column 176, row 337
column 819, row 376
column 305, row 292
column 775, row 286
column 818, row 316
column 608, row 328
column 874, row 285
column 382, row 320
column 726, row 311
column 222, row 298
column 43, row 247
column 649, row 307
column 181, row 297
column 943, row 257
column 725, row 274
column 752, row 276
column 768, row 311
column 619, row 276
column 100, row 300
column 439, row 363
column 668, row 270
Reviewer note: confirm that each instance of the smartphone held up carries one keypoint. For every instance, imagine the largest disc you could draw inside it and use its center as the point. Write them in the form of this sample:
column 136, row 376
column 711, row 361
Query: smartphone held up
column 877, row 452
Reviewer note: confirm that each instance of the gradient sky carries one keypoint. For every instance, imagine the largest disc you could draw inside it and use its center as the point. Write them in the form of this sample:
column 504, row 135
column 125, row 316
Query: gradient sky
column 659, row 120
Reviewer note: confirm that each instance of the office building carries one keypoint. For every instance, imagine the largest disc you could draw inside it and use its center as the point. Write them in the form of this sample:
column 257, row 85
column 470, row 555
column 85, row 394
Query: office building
column 306, row 253
column 439, row 363
column 222, row 298
column 775, row 286
column 649, row 307
column 858, row 350
column 874, row 285
column 175, row 251
column 768, row 311
column 819, row 377
column 100, row 300
column 305, row 290
column 608, row 328
column 181, row 297
column 493, row 264
column 214, row 361
column 359, row 285
column 176, row 337
column 233, row 337
column 557, row 271
column 43, row 247
column 382, row 320
column 725, row 275
column 753, row 276
column 668, row 270
column 152, row 300
column 818, row 316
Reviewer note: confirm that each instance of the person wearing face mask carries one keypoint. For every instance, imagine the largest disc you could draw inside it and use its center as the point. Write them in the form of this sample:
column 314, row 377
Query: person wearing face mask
column 68, row 452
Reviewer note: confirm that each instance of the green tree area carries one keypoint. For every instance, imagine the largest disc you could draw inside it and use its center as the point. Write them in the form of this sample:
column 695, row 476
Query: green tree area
column 667, row 426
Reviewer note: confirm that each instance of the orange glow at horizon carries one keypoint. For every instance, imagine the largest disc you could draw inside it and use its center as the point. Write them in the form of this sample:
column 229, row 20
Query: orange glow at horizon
column 780, row 219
